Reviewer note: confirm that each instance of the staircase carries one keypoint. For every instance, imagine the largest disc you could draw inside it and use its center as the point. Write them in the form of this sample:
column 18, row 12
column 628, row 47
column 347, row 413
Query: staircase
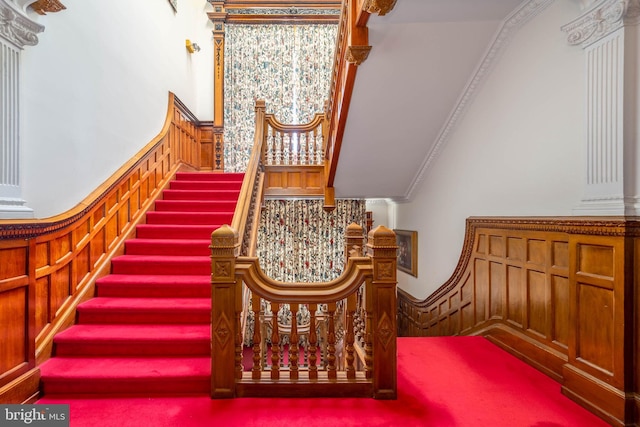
column 147, row 331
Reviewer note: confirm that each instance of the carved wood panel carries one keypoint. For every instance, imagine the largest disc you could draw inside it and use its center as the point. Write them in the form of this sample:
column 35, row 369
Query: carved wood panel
column 554, row 292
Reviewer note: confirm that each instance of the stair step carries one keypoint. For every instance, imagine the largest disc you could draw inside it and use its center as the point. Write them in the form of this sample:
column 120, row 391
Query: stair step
column 160, row 264
column 200, row 194
column 134, row 340
column 205, row 185
column 195, row 205
column 145, row 310
column 176, row 247
column 102, row 375
column 154, row 286
column 168, row 231
column 189, row 218
column 206, row 176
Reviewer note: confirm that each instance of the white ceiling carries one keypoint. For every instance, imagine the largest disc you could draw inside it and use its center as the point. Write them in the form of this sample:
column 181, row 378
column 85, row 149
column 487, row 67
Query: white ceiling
column 425, row 53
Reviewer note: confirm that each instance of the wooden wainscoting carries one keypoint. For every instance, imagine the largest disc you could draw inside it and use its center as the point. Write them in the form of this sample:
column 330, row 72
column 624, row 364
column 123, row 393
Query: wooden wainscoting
column 558, row 293
column 47, row 267
column 300, row 180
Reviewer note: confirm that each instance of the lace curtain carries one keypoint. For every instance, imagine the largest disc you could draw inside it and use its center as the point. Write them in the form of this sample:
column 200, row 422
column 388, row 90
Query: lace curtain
column 289, row 66
column 299, row 242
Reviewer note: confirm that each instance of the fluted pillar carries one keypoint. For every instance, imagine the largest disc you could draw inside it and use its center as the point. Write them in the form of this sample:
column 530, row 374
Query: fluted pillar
column 16, row 32
column 608, row 33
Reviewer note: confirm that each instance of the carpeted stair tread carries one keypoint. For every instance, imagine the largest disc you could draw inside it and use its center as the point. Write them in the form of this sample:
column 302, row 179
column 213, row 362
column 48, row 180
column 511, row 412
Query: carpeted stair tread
column 205, row 185
column 200, row 194
column 166, row 231
column 126, row 375
column 133, row 340
column 145, row 310
column 195, row 205
column 154, row 286
column 148, row 330
column 161, row 264
column 200, row 176
column 189, row 218
column 176, row 247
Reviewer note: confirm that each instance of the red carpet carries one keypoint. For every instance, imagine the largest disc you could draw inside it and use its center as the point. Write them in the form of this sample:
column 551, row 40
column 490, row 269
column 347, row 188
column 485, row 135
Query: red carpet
column 147, row 331
column 443, row 382
column 140, row 351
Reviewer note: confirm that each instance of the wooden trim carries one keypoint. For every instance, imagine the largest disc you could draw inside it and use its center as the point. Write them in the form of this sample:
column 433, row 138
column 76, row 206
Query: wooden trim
column 49, row 266
column 559, row 293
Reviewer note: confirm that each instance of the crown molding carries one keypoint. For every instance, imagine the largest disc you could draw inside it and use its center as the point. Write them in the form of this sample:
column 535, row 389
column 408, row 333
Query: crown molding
column 510, row 26
column 603, row 19
column 15, row 26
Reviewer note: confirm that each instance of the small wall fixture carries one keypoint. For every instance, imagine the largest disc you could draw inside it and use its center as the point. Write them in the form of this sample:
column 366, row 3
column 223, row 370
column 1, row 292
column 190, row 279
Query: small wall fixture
column 192, row 47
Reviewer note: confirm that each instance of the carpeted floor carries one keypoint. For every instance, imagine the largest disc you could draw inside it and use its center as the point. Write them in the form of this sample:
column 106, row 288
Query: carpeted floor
column 443, row 382
column 139, row 354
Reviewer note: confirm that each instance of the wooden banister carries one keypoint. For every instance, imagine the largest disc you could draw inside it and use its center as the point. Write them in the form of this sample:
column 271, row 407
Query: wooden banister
column 370, row 363
column 48, row 266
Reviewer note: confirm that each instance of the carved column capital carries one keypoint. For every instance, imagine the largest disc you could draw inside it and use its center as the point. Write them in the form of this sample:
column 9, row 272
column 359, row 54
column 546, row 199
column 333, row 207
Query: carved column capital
column 603, row 19
column 357, row 54
column 16, row 27
column 381, row 7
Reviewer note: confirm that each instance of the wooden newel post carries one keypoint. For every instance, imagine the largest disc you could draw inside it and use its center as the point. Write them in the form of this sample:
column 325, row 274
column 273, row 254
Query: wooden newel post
column 381, row 303
column 226, row 295
column 354, row 236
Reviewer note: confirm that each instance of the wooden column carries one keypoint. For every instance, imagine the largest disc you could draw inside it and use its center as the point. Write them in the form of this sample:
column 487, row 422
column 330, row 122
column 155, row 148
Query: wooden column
column 218, row 17
column 226, row 306
column 381, row 302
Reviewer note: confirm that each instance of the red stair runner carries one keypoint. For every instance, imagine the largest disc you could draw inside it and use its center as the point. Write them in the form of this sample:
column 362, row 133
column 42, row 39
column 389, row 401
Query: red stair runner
column 148, row 329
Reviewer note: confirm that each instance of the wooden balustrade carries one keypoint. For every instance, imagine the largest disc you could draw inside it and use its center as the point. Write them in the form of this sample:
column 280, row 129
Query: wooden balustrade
column 559, row 293
column 48, row 266
column 333, row 362
column 292, row 155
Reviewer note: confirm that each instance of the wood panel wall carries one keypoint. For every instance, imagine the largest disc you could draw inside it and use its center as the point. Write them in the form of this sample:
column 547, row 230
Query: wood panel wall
column 47, row 267
column 558, row 293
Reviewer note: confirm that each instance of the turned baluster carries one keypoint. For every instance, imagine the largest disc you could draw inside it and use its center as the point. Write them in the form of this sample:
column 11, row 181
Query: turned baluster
column 239, row 342
column 331, row 343
column 256, row 370
column 368, row 344
column 349, row 338
column 275, row 343
column 294, row 349
column 313, row 343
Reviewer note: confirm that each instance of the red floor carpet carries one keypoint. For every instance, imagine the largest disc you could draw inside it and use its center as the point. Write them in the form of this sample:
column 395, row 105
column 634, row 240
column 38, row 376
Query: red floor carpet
column 444, row 382
column 139, row 354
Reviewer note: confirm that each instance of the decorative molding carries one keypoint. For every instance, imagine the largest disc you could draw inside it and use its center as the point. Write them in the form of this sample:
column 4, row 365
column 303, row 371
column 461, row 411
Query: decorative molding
column 381, row 7
column 357, row 54
column 17, row 28
column 510, row 27
column 600, row 21
column 43, row 6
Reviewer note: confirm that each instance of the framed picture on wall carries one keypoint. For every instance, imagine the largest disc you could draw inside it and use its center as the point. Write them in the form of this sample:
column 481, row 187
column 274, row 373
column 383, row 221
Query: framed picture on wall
column 174, row 4
column 407, row 242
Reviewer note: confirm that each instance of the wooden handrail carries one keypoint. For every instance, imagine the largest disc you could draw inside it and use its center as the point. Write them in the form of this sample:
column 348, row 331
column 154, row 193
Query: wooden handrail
column 250, row 192
column 372, row 375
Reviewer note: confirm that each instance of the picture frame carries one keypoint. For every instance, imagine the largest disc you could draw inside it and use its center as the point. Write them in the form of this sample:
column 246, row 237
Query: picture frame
column 407, row 241
column 174, row 4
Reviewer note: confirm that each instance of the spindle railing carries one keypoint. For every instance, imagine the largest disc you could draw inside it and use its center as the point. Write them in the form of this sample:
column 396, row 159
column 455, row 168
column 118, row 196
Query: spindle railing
column 348, row 341
column 292, row 155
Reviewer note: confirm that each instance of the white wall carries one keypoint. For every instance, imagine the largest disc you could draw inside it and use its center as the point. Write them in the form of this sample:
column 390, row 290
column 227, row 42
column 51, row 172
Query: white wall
column 516, row 152
column 95, row 90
